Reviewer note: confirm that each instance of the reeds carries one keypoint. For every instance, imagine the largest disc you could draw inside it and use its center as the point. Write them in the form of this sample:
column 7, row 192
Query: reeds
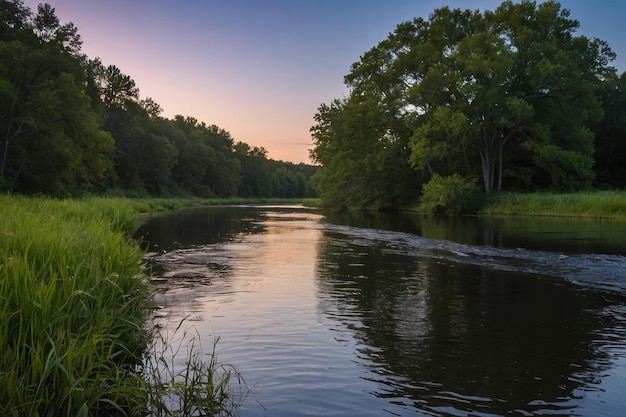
column 73, row 302
column 184, row 383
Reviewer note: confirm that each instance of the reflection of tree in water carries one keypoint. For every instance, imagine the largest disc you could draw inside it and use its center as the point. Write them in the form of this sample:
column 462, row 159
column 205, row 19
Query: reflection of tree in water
column 201, row 226
column 461, row 337
column 555, row 234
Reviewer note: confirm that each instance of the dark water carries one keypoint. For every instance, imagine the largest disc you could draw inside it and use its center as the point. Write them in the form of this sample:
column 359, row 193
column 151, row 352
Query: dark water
column 401, row 315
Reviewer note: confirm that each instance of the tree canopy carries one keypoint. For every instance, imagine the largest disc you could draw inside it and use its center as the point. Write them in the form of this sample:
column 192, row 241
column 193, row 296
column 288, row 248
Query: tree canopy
column 71, row 125
column 509, row 97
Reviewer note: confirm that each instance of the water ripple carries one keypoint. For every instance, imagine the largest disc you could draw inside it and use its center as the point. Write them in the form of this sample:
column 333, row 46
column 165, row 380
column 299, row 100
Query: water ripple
column 599, row 271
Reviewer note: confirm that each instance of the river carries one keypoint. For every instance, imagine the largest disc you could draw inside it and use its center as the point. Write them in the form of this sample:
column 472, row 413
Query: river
column 400, row 315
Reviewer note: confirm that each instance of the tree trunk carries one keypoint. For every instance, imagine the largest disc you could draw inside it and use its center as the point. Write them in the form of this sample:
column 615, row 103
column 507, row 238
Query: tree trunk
column 7, row 139
column 484, row 159
column 500, row 166
column 430, row 169
column 6, row 149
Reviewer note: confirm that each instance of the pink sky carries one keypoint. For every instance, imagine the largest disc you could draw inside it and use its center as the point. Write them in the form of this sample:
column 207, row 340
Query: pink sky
column 259, row 69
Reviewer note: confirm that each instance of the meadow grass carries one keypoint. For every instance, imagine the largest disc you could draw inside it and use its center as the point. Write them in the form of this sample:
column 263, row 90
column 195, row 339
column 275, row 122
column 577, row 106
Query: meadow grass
column 312, row 202
column 596, row 204
column 73, row 303
column 149, row 205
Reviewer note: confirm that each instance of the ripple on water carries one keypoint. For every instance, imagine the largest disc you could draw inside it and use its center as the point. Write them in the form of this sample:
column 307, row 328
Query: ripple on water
column 338, row 320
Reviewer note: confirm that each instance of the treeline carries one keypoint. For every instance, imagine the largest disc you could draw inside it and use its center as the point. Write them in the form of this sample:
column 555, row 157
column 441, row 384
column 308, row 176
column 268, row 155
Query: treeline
column 467, row 103
column 71, row 125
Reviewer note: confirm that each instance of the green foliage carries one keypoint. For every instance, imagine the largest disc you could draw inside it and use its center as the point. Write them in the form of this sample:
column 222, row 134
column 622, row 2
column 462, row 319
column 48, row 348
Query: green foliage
column 507, row 97
column 52, row 142
column 363, row 156
column 449, row 195
column 610, row 134
column 501, row 90
column 71, row 126
column 261, row 177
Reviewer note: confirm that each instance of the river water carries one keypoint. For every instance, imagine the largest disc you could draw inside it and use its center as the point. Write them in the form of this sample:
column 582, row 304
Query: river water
column 400, row 315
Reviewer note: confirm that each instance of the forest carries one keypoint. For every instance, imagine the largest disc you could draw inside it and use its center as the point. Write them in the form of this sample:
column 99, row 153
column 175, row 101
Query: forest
column 466, row 104
column 450, row 108
column 71, row 125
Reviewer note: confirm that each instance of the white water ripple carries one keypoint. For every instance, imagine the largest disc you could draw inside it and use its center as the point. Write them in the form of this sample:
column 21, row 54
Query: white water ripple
column 598, row 271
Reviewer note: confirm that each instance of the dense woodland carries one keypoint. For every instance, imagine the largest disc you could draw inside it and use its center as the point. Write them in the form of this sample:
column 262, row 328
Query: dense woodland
column 459, row 105
column 71, row 125
column 468, row 102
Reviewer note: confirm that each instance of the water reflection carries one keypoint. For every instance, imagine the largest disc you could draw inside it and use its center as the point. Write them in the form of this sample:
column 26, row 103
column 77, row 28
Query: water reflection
column 567, row 235
column 467, row 338
column 199, row 226
column 401, row 317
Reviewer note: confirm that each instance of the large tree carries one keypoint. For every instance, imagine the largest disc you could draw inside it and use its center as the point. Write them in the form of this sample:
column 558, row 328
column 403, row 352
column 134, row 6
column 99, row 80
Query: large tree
column 504, row 95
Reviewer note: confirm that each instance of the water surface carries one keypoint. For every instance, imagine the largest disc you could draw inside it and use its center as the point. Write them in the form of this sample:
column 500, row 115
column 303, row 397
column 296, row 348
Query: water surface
column 401, row 315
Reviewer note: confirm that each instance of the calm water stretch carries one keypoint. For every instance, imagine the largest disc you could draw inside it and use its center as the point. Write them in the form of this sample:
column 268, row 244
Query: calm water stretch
column 400, row 315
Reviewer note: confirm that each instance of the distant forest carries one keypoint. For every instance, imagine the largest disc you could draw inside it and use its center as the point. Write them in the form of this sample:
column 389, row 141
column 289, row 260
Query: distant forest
column 71, row 125
column 469, row 103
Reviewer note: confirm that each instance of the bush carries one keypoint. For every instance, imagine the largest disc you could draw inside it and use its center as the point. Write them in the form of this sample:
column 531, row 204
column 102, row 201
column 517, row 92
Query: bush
column 449, row 195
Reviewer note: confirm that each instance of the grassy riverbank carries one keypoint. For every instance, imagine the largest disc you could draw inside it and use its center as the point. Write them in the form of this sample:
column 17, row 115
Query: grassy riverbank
column 596, row 204
column 151, row 205
column 73, row 303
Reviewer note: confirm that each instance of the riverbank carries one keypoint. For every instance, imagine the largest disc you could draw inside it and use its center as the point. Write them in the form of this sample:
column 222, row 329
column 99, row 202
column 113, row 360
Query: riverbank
column 72, row 305
column 595, row 204
column 73, row 302
column 153, row 205
column 592, row 204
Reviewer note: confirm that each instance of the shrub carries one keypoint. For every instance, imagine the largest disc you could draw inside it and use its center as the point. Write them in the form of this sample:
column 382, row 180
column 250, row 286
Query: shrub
column 449, row 195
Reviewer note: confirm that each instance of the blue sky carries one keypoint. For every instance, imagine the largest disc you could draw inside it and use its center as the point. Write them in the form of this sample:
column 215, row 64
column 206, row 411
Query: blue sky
column 260, row 68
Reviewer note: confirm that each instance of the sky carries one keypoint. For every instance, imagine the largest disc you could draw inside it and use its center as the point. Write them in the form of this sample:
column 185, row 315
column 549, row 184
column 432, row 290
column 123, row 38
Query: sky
column 260, row 68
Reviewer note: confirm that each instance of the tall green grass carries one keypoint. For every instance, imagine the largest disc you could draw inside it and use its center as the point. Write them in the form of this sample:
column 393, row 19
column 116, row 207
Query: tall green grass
column 73, row 303
column 597, row 204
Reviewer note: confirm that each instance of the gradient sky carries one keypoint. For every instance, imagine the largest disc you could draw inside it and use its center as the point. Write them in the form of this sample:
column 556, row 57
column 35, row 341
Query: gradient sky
column 260, row 68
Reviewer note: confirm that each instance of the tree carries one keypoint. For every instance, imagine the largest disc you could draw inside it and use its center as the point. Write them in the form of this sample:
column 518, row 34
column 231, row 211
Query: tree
column 62, row 148
column 255, row 171
column 115, row 89
column 52, row 142
column 206, row 163
column 14, row 17
column 363, row 152
column 48, row 29
column 507, row 95
column 151, row 107
column 611, row 134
